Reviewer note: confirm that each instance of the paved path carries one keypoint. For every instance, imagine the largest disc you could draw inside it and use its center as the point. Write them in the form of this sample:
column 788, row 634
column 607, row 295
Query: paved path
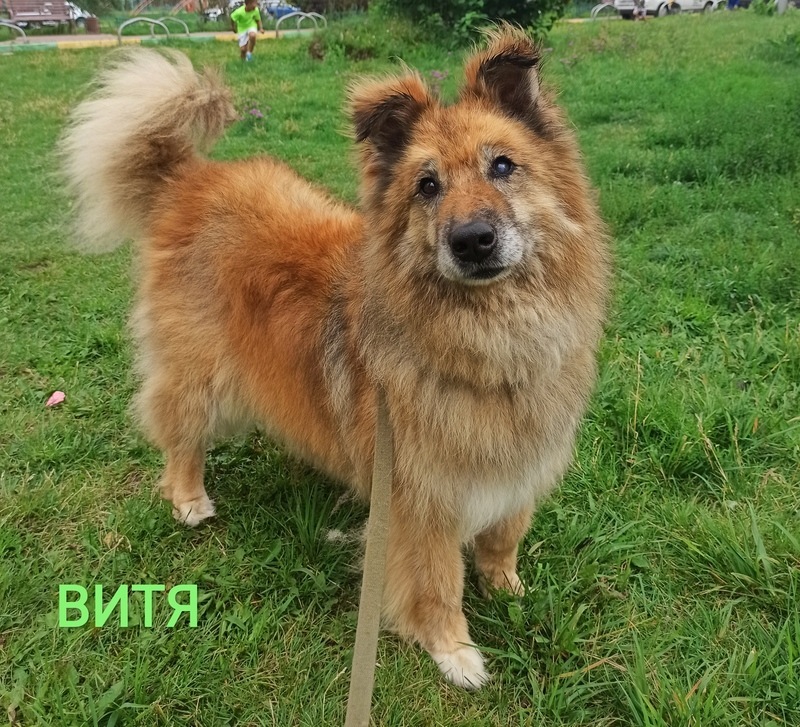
column 99, row 40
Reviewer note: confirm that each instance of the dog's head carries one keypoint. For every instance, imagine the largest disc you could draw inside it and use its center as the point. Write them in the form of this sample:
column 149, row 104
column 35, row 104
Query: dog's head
column 486, row 189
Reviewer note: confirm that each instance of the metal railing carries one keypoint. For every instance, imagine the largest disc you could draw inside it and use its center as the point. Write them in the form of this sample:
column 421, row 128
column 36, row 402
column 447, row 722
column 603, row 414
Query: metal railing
column 300, row 18
column 164, row 20
column 597, row 9
column 152, row 23
column 7, row 24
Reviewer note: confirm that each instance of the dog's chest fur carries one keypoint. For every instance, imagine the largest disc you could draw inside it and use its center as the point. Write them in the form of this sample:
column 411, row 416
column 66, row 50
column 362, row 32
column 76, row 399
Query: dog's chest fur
column 483, row 456
column 480, row 451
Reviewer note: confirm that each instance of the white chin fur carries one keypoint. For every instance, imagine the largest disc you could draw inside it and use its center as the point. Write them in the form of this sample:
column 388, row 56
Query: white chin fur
column 463, row 667
column 475, row 282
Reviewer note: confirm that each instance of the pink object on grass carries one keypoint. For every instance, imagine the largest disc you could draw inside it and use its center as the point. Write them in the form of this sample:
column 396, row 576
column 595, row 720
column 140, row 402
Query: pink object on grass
column 56, row 398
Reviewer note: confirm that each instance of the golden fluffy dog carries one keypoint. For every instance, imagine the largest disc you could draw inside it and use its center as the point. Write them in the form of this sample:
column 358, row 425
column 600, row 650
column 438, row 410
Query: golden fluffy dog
column 470, row 285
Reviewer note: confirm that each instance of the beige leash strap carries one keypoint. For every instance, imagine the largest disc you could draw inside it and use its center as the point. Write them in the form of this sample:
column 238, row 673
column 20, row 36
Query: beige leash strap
column 362, row 675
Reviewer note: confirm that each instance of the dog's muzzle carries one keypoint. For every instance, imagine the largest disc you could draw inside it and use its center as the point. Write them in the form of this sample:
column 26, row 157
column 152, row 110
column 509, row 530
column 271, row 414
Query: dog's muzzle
column 475, row 250
column 473, row 242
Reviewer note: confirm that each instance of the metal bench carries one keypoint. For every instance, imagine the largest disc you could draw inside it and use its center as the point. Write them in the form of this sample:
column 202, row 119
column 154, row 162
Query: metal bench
column 30, row 12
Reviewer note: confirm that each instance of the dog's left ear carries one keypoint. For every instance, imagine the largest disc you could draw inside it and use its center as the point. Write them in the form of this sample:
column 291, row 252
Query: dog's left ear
column 506, row 75
column 384, row 112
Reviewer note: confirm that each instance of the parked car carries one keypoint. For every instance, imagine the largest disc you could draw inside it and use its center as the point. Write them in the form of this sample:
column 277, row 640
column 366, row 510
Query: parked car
column 277, row 8
column 273, row 8
column 77, row 15
column 213, row 13
column 660, row 8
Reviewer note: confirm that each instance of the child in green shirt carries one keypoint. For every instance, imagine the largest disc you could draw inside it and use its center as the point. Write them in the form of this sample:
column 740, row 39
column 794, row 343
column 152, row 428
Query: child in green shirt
column 244, row 21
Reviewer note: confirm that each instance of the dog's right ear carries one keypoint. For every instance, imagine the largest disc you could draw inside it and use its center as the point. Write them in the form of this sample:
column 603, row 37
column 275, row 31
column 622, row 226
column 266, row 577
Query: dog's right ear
column 384, row 112
column 506, row 76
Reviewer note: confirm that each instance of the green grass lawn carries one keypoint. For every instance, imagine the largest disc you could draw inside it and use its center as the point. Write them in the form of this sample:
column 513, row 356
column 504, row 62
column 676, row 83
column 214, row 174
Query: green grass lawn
column 663, row 578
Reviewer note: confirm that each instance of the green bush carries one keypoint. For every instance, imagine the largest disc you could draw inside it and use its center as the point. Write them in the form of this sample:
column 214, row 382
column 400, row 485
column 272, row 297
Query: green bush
column 460, row 20
column 333, row 7
column 763, row 7
column 362, row 37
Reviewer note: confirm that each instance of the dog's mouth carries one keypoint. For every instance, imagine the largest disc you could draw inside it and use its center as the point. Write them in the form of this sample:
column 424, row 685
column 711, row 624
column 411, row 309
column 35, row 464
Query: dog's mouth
column 486, row 273
column 478, row 252
column 477, row 275
column 471, row 274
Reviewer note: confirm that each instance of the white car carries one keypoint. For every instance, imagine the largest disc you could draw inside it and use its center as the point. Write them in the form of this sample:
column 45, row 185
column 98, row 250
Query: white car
column 78, row 15
column 660, row 8
column 213, row 13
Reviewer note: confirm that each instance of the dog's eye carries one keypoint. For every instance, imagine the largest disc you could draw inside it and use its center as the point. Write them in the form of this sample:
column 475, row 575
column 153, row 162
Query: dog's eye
column 428, row 187
column 502, row 167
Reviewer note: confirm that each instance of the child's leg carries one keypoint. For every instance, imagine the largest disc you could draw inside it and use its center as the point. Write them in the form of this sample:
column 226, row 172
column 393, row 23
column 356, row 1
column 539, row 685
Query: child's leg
column 251, row 41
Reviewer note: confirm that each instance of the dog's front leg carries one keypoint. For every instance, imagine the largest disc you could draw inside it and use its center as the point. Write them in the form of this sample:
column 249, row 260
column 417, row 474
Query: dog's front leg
column 424, row 590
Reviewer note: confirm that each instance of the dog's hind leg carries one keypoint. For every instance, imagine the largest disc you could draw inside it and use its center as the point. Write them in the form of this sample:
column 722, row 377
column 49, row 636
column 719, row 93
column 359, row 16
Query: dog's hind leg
column 496, row 554
column 177, row 419
column 182, row 484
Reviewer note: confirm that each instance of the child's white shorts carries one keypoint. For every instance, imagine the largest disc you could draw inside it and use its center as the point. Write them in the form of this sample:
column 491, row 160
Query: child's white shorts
column 244, row 38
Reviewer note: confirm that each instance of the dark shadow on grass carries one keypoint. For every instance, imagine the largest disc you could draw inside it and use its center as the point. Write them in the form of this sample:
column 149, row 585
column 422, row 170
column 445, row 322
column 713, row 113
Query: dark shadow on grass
column 270, row 500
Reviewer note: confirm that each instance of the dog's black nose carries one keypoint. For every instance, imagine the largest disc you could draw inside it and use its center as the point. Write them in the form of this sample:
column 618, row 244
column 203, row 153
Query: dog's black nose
column 473, row 242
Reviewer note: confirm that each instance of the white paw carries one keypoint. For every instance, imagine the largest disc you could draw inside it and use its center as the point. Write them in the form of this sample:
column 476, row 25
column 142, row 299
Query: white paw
column 193, row 512
column 464, row 667
column 504, row 582
column 513, row 585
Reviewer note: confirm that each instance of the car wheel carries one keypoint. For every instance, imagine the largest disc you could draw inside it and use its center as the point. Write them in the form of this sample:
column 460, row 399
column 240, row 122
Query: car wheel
column 666, row 9
column 81, row 22
column 709, row 8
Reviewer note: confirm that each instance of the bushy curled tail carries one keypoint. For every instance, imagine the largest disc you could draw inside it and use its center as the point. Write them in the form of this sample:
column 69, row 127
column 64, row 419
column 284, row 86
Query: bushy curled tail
column 149, row 113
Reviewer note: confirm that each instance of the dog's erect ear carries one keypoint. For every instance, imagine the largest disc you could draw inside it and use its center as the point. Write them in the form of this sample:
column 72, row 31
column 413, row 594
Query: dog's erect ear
column 384, row 112
column 506, row 75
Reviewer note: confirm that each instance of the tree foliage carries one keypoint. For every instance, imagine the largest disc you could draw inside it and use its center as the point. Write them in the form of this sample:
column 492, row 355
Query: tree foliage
column 461, row 19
